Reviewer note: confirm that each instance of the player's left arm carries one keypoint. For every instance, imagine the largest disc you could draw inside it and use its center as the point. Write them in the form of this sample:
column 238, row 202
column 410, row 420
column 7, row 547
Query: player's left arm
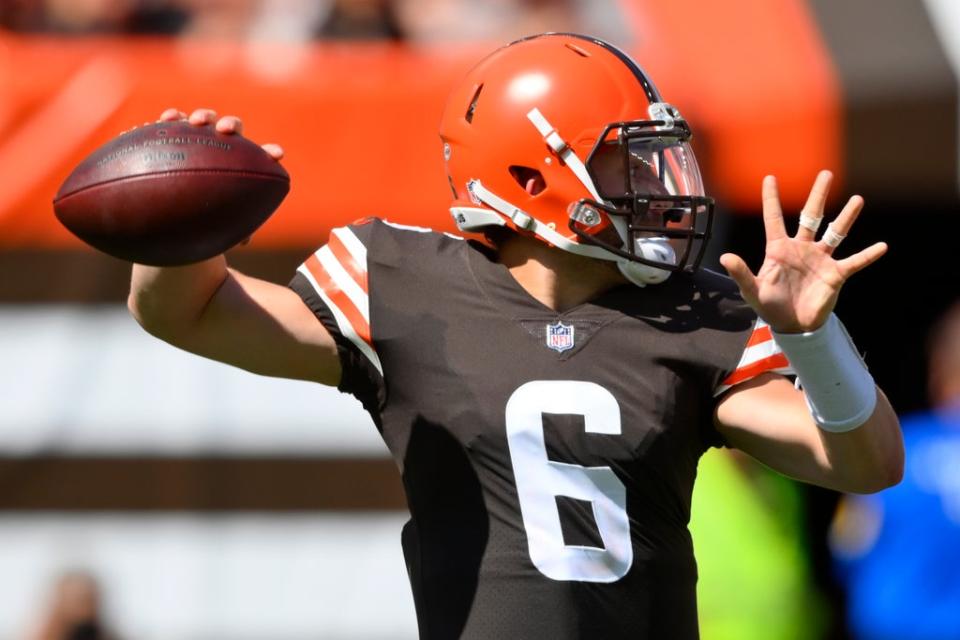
column 844, row 434
column 768, row 418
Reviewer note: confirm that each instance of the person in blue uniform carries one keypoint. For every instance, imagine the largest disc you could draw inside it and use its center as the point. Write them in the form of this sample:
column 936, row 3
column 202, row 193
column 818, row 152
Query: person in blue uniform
column 897, row 551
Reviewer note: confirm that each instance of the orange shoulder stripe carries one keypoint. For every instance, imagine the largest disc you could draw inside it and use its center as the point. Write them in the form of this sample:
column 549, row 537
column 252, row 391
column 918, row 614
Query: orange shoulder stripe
column 760, row 334
column 339, row 298
column 776, row 361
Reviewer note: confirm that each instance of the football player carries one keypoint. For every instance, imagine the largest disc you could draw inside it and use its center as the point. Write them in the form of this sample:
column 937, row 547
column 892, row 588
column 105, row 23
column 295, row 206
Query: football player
column 547, row 393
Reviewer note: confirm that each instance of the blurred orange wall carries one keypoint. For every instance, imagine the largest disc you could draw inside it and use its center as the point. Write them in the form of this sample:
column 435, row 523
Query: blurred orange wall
column 359, row 121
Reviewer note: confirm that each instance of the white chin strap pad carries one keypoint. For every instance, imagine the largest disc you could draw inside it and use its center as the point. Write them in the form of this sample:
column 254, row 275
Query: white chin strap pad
column 658, row 249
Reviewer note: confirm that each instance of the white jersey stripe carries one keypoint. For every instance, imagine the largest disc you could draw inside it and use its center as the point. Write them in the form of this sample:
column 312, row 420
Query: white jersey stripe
column 758, row 351
column 347, row 284
column 407, row 227
column 342, row 322
column 353, row 245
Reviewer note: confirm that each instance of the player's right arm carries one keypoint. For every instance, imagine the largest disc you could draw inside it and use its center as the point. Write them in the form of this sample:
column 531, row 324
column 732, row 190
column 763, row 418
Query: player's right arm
column 222, row 314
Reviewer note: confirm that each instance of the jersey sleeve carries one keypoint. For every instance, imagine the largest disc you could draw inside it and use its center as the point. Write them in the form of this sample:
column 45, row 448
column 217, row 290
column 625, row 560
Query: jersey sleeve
column 761, row 354
column 334, row 283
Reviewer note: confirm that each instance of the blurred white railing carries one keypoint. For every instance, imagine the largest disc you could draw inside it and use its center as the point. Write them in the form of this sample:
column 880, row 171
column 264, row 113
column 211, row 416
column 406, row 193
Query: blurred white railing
column 237, row 577
column 89, row 380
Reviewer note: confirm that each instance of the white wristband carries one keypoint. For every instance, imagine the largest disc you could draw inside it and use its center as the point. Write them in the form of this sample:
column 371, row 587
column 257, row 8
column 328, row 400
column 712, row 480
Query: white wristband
column 840, row 391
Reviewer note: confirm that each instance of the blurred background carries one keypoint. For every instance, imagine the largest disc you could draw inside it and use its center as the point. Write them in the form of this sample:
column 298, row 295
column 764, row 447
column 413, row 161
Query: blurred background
column 146, row 493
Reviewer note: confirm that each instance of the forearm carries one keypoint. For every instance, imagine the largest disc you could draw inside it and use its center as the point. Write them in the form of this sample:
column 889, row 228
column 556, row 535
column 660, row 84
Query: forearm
column 869, row 458
column 857, row 427
column 768, row 418
column 165, row 300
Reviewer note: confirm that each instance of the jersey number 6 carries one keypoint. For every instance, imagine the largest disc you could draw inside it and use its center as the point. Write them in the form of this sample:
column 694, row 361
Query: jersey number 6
column 539, row 480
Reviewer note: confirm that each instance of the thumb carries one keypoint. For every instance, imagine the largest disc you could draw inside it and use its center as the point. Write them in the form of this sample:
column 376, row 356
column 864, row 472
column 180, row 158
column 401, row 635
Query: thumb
column 741, row 274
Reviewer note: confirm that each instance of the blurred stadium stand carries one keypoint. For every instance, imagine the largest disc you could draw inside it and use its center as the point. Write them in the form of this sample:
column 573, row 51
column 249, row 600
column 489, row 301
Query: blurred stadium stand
column 255, row 508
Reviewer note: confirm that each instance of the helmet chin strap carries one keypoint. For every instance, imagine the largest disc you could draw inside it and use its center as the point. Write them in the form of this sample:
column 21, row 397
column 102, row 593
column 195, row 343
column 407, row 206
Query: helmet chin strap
column 656, row 248
column 476, row 218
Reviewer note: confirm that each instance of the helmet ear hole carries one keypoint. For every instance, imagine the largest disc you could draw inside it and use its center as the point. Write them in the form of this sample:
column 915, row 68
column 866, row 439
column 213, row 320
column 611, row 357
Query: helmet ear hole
column 529, row 179
column 473, row 105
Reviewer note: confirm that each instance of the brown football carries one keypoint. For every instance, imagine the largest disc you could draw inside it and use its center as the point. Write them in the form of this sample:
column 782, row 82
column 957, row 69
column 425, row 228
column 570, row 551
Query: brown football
column 171, row 193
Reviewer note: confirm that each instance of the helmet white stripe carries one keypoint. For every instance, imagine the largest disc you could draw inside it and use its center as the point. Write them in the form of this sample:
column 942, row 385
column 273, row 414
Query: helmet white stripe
column 564, row 150
column 572, row 160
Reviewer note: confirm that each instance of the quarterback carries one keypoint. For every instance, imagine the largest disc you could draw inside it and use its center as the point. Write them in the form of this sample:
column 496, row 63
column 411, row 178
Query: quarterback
column 547, row 391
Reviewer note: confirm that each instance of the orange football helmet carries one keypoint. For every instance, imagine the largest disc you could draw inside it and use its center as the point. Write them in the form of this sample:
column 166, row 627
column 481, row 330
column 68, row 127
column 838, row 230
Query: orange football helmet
column 564, row 137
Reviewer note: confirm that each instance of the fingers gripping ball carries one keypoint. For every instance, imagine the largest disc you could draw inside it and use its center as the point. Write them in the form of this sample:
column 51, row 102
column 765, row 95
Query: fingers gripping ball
column 171, row 193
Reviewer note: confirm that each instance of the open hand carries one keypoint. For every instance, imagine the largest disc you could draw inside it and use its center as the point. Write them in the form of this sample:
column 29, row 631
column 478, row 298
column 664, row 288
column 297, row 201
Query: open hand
column 798, row 284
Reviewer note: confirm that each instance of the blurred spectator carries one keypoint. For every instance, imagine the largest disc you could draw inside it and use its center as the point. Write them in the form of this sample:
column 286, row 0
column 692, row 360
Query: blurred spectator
column 899, row 551
column 503, row 20
column 299, row 20
column 21, row 15
column 158, row 17
column 74, row 611
column 361, row 20
column 507, row 20
column 227, row 19
column 86, row 16
column 80, row 17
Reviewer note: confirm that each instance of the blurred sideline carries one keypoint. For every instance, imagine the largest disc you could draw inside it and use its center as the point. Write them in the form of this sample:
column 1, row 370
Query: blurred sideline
column 82, row 380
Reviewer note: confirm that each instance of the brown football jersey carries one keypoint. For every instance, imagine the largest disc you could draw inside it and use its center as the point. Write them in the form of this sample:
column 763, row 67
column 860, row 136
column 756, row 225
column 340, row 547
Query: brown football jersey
column 548, row 458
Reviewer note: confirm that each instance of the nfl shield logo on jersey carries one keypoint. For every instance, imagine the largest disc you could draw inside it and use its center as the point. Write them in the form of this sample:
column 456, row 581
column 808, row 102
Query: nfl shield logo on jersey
column 560, row 336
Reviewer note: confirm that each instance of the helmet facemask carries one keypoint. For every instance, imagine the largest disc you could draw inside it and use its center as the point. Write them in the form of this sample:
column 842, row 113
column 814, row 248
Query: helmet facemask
column 651, row 192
